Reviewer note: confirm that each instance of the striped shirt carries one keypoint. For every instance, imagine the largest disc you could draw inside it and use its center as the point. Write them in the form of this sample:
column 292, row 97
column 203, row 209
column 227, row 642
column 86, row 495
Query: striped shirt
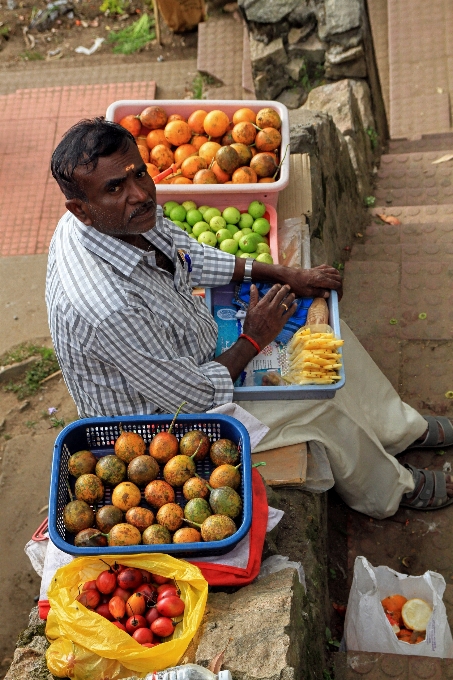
column 131, row 338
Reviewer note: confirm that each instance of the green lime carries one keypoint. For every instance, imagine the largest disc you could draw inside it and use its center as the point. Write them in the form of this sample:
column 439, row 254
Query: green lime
column 262, row 248
column 261, row 226
column 237, row 235
column 248, row 243
column 222, row 234
column 208, row 238
column 189, row 205
column 193, row 216
column 217, row 223
column 231, row 215
column 246, row 221
column 210, row 213
column 229, row 245
column 239, row 253
column 187, row 227
column 178, row 213
column 252, row 255
column 199, row 228
column 203, row 208
column 266, row 258
column 256, row 209
column 179, row 223
column 232, row 228
column 168, row 206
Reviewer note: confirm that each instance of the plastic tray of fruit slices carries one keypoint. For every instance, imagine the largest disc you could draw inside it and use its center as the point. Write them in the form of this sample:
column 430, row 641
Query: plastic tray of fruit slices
column 137, row 484
column 211, row 147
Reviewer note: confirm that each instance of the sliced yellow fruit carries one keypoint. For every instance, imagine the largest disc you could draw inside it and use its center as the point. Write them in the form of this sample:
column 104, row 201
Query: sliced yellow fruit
column 416, row 614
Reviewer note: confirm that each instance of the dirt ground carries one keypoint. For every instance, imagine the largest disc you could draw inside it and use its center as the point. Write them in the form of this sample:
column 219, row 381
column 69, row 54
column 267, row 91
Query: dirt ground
column 80, row 23
column 26, row 446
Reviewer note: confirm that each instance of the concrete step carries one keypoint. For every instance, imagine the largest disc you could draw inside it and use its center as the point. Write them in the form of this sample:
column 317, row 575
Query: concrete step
column 403, row 252
column 413, row 179
column 424, row 143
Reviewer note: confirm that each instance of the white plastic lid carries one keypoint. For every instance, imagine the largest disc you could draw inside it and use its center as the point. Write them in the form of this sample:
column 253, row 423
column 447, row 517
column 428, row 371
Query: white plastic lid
column 224, row 675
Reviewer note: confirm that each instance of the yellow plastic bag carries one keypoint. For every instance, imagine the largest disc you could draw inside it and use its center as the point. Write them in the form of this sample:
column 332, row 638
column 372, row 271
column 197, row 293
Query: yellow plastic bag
column 85, row 646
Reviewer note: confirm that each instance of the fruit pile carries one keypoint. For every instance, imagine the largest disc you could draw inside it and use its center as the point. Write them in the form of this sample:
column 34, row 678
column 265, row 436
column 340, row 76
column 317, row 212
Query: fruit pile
column 136, row 601
column 408, row 618
column 243, row 234
column 208, row 148
column 208, row 507
column 313, row 358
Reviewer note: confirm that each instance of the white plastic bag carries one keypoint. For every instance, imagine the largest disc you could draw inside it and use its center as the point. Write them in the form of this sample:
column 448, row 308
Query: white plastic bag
column 367, row 629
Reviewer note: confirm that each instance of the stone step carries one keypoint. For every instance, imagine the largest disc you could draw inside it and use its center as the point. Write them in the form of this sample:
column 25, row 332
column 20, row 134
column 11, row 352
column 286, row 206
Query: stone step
column 416, row 214
column 416, row 234
column 424, row 143
column 403, row 252
column 354, row 665
column 411, row 179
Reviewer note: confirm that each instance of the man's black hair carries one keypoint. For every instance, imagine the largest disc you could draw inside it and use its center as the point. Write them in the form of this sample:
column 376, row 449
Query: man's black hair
column 84, row 144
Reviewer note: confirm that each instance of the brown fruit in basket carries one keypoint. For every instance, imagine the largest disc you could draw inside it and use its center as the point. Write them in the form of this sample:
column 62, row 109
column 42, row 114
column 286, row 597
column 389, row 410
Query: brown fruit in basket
column 162, row 157
column 156, row 534
column 228, row 159
column 153, row 117
column 244, row 175
column 82, row 463
column 192, row 165
column 244, row 133
column 195, row 487
column 216, row 123
column 224, row 451
column 164, row 445
column 268, row 139
column 205, row 177
column 144, row 152
column 208, row 151
column 198, row 140
column 264, row 164
column 111, row 469
column 217, row 528
column 90, row 538
column 267, row 117
column 131, row 123
column 126, row 495
column 156, row 137
column 184, row 151
column 141, row 518
column 186, row 535
column 178, row 132
column 170, row 516
column 89, row 488
column 124, row 534
column 129, row 445
column 196, row 120
column 225, row 475
column 107, row 517
column 158, row 492
column 244, row 153
column 190, row 444
column 179, row 469
column 142, row 470
column 225, row 501
column 221, row 176
column 77, row 516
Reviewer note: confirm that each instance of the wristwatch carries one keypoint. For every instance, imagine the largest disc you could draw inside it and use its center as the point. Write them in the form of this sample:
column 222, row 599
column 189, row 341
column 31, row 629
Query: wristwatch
column 248, row 270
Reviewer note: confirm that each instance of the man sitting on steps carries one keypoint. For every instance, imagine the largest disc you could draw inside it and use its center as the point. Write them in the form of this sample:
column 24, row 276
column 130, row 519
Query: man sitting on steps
column 132, row 339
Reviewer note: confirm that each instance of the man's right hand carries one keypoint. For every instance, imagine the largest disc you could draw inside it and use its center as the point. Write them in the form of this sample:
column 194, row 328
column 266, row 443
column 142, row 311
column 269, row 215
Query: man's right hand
column 267, row 317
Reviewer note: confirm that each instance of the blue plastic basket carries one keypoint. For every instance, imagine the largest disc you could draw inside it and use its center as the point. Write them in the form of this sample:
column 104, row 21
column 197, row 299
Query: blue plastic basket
column 277, row 392
column 99, row 434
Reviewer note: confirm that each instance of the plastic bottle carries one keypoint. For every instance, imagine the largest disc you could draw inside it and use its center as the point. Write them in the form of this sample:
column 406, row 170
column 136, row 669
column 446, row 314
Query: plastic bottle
column 189, row 671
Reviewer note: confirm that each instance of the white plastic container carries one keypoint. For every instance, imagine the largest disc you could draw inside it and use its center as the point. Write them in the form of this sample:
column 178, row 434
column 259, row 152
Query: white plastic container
column 189, row 671
column 267, row 193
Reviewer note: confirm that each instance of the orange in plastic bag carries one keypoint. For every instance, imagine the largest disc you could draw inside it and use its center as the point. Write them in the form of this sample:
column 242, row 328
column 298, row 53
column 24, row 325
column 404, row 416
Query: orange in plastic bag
column 85, row 646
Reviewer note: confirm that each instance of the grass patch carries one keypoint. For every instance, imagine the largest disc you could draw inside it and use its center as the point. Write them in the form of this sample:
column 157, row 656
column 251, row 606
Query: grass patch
column 112, row 7
column 20, row 352
column 373, row 137
column 29, row 55
column 134, row 37
column 199, row 82
column 45, row 366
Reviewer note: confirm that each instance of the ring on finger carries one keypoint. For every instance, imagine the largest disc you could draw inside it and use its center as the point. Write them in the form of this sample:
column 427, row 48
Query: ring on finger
column 285, row 306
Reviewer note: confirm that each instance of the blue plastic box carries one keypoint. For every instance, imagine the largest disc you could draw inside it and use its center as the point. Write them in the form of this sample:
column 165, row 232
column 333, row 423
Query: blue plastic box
column 268, row 393
column 99, row 434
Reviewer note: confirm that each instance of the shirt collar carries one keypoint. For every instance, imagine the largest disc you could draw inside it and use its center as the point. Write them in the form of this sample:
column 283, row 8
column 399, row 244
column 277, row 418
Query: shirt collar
column 123, row 256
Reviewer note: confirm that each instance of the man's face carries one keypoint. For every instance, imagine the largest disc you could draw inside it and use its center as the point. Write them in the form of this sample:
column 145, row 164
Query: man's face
column 121, row 195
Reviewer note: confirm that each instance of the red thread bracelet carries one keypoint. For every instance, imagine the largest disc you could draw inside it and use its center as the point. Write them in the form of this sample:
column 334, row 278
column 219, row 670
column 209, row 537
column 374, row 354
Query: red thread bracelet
column 254, row 343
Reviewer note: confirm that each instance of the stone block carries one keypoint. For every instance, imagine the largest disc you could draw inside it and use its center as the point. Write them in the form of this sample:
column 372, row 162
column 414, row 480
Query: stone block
column 295, row 68
column 338, row 55
column 297, row 35
column 312, row 49
column 349, row 69
column 264, row 11
column 29, row 663
column 302, row 15
column 267, row 56
column 339, row 16
column 339, row 101
column 268, row 67
column 292, row 98
column 362, row 94
column 337, row 205
column 260, row 627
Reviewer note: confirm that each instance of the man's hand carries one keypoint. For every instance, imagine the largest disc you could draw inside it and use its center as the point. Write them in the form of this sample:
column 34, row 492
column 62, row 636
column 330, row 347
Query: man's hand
column 267, row 317
column 314, row 282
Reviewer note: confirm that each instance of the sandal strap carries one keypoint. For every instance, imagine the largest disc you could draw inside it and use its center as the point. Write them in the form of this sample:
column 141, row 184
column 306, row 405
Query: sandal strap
column 447, row 428
column 433, row 432
column 433, row 491
column 432, row 438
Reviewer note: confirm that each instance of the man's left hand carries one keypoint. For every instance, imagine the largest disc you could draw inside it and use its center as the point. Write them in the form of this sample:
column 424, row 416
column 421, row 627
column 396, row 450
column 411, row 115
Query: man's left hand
column 316, row 282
